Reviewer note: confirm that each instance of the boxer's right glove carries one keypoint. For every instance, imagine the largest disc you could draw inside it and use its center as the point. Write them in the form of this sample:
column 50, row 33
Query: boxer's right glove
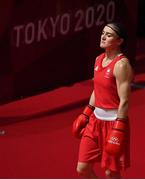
column 116, row 138
column 80, row 123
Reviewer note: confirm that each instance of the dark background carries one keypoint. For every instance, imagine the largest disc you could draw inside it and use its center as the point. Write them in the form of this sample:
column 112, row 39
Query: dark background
column 141, row 18
column 63, row 61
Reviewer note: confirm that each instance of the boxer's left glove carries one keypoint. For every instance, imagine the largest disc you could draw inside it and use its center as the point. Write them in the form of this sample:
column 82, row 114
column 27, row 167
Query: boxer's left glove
column 81, row 121
column 116, row 138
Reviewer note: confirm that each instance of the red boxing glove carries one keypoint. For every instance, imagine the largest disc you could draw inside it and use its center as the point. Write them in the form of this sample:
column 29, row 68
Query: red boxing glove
column 116, row 138
column 80, row 123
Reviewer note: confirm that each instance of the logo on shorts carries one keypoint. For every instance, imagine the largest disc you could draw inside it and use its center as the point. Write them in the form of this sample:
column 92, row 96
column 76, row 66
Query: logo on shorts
column 114, row 140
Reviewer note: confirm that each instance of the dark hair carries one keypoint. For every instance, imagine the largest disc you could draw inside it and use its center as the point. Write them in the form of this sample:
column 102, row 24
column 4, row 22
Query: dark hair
column 119, row 29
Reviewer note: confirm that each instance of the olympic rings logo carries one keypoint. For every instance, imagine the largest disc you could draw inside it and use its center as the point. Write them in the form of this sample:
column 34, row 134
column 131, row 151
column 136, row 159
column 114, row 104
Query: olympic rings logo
column 114, row 140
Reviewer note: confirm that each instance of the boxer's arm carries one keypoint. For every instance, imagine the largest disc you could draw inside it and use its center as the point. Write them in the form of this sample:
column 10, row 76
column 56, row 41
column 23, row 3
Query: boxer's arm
column 116, row 137
column 124, row 75
column 92, row 99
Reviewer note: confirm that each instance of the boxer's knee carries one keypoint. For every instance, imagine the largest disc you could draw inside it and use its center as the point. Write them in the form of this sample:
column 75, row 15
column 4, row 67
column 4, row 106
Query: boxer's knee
column 112, row 174
column 83, row 169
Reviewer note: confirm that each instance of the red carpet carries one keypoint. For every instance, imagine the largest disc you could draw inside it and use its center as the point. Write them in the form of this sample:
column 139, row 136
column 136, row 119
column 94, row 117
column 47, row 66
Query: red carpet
column 38, row 142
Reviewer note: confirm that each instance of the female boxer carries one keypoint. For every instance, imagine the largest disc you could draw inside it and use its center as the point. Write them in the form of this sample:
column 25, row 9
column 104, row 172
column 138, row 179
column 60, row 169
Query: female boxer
column 104, row 125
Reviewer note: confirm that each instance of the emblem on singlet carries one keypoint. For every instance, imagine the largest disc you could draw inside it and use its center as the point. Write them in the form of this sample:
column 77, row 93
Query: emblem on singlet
column 107, row 74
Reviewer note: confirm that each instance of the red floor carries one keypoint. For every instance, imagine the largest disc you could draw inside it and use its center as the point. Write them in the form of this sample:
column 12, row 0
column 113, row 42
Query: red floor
column 38, row 143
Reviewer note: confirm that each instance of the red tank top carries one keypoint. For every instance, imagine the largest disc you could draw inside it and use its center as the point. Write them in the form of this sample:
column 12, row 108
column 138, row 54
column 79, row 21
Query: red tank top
column 105, row 88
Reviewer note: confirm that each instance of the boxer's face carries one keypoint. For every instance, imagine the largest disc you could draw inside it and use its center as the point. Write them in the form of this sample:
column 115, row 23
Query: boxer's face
column 109, row 38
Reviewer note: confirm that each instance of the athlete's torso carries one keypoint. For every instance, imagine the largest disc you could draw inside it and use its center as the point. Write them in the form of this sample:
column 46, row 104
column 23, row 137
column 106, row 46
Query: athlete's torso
column 105, row 88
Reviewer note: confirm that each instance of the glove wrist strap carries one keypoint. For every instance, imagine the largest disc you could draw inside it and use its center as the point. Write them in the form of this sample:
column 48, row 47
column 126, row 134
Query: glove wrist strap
column 120, row 125
column 121, row 119
column 88, row 110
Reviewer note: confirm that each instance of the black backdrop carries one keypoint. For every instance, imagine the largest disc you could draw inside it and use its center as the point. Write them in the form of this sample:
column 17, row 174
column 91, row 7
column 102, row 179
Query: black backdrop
column 141, row 18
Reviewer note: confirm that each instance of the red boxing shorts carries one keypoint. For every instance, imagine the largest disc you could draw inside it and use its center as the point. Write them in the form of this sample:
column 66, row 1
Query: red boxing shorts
column 93, row 142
